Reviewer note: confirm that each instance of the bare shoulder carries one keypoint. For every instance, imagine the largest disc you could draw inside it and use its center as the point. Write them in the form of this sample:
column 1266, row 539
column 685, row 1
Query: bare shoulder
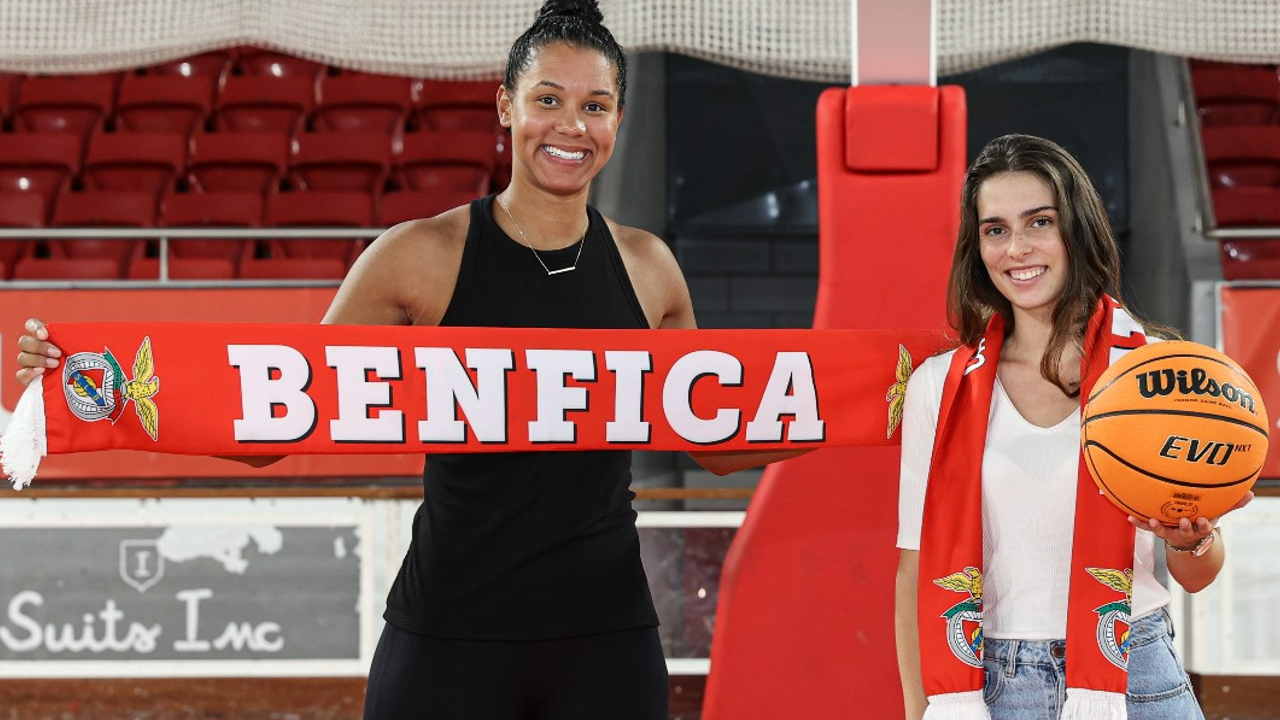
column 655, row 275
column 407, row 275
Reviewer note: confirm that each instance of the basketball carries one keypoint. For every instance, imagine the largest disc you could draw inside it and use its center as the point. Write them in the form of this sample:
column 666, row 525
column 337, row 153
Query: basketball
column 1174, row 429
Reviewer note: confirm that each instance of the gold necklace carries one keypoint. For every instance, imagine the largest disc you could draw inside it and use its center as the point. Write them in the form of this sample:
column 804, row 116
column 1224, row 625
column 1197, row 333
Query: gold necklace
column 581, row 242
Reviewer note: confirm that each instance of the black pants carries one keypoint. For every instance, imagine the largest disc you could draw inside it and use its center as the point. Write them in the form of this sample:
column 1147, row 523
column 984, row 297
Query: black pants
column 616, row 676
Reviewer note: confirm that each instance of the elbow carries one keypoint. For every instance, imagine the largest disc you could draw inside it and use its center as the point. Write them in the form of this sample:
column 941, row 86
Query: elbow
column 1195, row 586
column 719, row 467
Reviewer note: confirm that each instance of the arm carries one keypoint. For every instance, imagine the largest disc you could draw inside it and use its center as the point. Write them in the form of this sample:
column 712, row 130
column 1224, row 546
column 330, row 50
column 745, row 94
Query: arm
column 907, row 633
column 385, row 287
column 1192, row 573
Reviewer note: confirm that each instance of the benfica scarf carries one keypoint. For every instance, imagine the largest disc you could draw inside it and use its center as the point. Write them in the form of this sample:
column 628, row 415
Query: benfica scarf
column 950, row 598
column 229, row 389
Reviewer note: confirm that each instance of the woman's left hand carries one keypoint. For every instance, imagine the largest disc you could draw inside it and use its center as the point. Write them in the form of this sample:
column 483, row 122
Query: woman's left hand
column 1188, row 532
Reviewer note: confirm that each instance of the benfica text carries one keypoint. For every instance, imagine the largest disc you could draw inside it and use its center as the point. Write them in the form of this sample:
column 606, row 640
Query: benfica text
column 468, row 394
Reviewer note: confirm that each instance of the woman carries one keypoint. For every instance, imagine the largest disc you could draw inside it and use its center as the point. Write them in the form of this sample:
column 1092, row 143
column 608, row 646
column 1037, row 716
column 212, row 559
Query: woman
column 991, row 610
column 522, row 594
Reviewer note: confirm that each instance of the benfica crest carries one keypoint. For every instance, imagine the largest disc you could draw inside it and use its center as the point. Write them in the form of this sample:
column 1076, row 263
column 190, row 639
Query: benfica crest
column 97, row 388
column 964, row 619
column 1113, row 618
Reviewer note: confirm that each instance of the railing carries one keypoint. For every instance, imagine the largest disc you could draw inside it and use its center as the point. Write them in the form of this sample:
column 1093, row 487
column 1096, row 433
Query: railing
column 164, row 235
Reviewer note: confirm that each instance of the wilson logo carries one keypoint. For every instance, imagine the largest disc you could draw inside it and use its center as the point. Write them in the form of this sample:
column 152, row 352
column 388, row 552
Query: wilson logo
column 1209, row 452
column 1155, row 383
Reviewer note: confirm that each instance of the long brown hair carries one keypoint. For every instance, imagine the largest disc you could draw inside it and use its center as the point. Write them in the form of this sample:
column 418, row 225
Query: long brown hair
column 1093, row 259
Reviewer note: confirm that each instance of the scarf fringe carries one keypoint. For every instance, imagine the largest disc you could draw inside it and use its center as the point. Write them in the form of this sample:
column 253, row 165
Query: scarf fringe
column 967, row 705
column 1085, row 704
column 24, row 443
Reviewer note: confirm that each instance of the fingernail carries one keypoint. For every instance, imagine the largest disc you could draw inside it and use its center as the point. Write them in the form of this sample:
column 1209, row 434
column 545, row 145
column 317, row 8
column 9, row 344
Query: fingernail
column 50, row 362
column 55, row 352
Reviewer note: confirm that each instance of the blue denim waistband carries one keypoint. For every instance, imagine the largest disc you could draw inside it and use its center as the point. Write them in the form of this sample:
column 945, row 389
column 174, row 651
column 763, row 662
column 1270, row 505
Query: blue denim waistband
column 1146, row 629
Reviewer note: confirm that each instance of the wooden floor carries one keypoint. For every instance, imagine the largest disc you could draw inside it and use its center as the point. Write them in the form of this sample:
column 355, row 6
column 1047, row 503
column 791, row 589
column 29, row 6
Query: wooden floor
column 225, row 699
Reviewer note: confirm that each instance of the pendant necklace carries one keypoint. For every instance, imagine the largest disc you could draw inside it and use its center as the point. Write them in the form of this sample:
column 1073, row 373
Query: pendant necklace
column 581, row 242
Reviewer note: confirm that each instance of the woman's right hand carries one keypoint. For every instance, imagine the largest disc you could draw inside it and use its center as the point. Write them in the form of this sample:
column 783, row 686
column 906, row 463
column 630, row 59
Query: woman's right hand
column 36, row 354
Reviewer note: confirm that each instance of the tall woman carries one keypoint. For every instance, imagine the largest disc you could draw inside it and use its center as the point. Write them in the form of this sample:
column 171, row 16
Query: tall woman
column 522, row 595
column 1000, row 567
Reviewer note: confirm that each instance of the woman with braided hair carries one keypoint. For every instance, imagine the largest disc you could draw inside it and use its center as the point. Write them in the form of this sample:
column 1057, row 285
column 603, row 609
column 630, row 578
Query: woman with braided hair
column 521, row 595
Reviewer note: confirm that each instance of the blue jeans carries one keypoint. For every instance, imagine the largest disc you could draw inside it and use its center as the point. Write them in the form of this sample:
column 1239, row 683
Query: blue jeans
column 1026, row 679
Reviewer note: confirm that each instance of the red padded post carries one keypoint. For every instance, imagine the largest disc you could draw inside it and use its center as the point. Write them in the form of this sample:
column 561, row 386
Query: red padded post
column 804, row 624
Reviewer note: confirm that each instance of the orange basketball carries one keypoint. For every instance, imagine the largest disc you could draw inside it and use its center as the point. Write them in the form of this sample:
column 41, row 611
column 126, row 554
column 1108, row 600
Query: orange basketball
column 1174, row 429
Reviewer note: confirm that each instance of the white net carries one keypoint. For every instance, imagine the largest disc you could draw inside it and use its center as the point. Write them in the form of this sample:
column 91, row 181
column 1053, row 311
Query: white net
column 462, row 39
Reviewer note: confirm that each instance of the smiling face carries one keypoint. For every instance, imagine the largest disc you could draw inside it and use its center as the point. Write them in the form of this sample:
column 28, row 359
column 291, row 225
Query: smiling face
column 564, row 115
column 1021, row 242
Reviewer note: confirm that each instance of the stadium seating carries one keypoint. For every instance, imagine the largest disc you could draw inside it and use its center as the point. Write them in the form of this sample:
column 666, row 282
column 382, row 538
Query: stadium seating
column 40, row 163
column 357, row 161
column 145, row 267
column 257, row 104
column 320, row 208
column 211, row 209
column 8, row 96
column 19, row 210
column 1242, row 155
column 261, row 62
column 149, row 162
column 300, row 268
column 66, row 268
column 362, row 102
column 451, row 105
column 1236, row 95
column 77, row 104
column 106, row 209
column 164, row 103
column 213, row 64
column 440, row 160
column 403, row 205
column 238, row 161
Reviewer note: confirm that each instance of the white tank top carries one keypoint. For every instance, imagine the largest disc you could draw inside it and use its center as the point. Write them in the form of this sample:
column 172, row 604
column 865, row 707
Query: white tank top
column 1029, row 477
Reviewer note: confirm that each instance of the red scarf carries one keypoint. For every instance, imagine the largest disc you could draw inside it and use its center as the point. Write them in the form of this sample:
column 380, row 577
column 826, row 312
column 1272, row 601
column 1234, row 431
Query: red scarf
column 950, row 599
column 233, row 389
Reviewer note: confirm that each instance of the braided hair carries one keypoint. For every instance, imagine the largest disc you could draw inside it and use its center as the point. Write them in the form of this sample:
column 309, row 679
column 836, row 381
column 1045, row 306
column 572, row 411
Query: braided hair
column 578, row 23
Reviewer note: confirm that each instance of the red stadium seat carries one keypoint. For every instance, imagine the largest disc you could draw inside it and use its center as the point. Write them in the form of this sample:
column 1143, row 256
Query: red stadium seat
column 1236, row 94
column 250, row 161
column 142, row 267
column 1252, row 258
column 260, row 62
column 404, row 205
column 357, row 161
column 164, row 103
column 264, row 104
column 40, row 163
column 212, row 209
column 453, row 161
column 1247, row 207
column 67, row 268
column 1242, row 156
column 214, row 64
column 9, row 83
column 452, row 105
column 319, row 208
column 103, row 208
column 77, row 104
column 150, row 162
column 363, row 102
column 296, row 268
column 19, row 210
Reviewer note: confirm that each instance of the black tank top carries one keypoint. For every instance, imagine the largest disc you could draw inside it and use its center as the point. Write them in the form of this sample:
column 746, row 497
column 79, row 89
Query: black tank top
column 528, row 545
